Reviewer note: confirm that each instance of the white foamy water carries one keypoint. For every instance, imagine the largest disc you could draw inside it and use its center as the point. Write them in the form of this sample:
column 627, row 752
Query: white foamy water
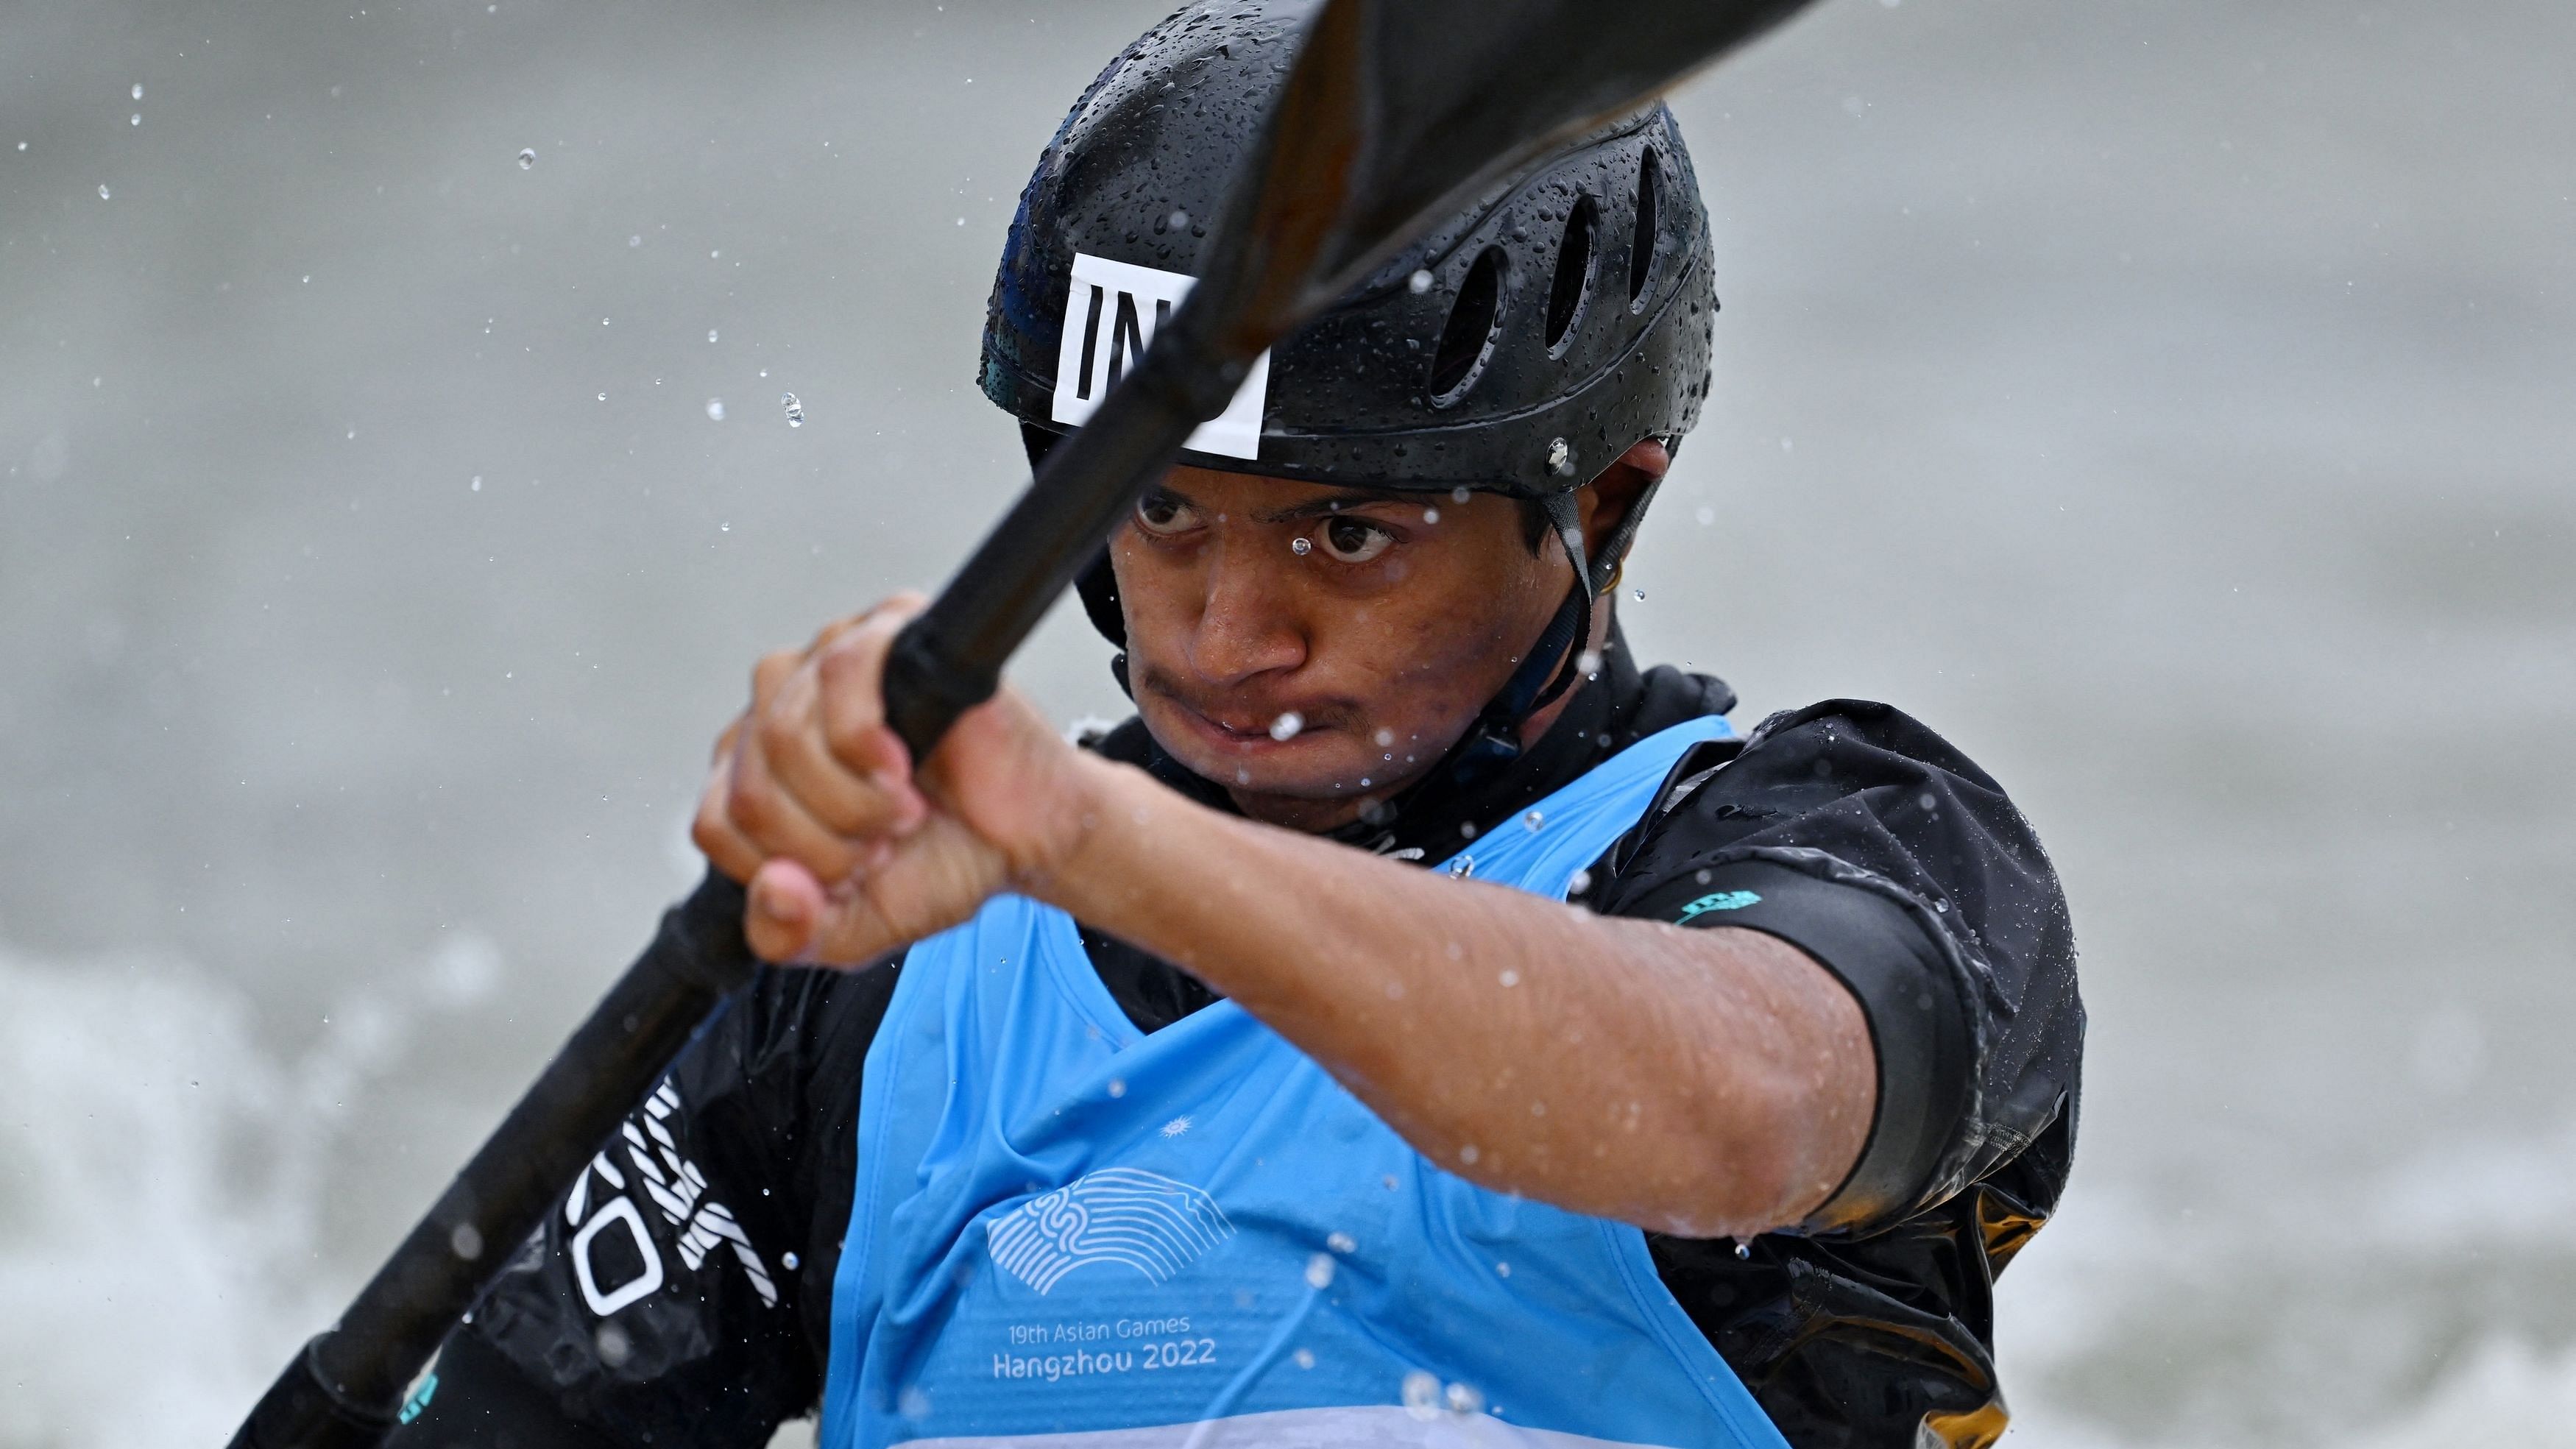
column 163, row 1175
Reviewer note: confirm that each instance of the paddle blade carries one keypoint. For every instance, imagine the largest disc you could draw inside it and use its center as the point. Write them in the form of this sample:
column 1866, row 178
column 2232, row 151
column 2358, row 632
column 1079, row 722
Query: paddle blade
column 1398, row 111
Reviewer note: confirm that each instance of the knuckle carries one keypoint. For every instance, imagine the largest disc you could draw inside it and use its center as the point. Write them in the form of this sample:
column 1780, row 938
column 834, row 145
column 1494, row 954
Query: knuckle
column 774, row 732
column 750, row 805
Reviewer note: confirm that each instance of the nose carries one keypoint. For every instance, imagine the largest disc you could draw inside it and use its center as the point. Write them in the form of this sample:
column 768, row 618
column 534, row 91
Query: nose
column 1247, row 623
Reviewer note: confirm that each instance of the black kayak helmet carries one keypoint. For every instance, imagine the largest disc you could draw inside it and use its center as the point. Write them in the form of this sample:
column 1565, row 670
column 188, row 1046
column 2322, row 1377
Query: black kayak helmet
column 1519, row 348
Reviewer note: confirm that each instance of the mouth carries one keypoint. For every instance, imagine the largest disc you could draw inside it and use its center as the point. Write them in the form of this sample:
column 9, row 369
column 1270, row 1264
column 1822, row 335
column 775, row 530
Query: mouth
column 1243, row 733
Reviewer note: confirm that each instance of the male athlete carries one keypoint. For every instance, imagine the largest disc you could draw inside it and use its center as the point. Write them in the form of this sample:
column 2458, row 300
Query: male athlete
column 1419, row 1021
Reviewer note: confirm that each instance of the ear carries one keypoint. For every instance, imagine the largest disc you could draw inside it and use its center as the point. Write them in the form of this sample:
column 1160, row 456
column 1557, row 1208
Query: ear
column 1608, row 499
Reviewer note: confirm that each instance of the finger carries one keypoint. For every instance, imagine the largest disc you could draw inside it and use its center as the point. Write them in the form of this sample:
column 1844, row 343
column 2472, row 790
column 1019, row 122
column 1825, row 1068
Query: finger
column 850, row 677
column 786, row 904
column 798, row 756
column 773, row 670
column 776, row 822
column 712, row 831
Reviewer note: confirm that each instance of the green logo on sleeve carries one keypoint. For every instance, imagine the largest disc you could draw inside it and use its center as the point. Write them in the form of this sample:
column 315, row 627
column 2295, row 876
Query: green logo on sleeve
column 1717, row 901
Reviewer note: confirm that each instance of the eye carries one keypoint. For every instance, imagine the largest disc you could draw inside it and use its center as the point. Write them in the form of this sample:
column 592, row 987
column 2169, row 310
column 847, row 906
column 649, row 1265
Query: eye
column 1163, row 515
column 1354, row 540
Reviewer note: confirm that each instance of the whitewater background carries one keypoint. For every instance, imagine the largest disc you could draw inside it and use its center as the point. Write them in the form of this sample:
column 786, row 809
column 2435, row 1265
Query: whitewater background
column 2170, row 402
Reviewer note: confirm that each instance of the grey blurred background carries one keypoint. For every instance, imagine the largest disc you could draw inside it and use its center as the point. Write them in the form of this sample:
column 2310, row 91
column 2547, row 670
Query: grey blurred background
column 2167, row 401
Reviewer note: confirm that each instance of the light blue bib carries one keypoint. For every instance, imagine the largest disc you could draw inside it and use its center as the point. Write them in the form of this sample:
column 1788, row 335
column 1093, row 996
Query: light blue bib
column 1069, row 1233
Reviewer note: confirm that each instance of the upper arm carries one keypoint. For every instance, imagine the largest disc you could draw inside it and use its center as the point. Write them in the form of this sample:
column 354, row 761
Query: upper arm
column 1892, row 862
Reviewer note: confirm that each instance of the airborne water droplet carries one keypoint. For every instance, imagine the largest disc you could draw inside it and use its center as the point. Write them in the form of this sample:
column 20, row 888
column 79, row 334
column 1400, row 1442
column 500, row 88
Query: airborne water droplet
column 102, row 191
column 795, row 410
column 1422, row 1396
column 1305, row 1358
column 603, row 397
column 1641, row 595
column 1464, row 1399
column 715, row 409
column 1533, row 822
column 136, row 119
column 1319, row 1271
column 1286, row 726
column 1418, row 283
column 711, row 334
column 1342, row 1243
column 528, row 159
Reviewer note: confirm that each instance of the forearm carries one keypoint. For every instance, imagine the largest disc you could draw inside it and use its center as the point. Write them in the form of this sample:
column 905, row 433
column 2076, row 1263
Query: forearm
column 1706, row 1082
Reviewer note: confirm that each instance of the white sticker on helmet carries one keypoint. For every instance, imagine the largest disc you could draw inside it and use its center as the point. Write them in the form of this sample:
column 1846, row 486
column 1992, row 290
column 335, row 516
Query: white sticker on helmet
column 1109, row 322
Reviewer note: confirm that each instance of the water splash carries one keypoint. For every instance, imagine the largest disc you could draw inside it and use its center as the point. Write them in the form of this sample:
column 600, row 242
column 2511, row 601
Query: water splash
column 167, row 1176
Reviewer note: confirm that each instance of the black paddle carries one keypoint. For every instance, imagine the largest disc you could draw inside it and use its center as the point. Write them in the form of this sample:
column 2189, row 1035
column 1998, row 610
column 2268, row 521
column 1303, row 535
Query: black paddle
column 1395, row 113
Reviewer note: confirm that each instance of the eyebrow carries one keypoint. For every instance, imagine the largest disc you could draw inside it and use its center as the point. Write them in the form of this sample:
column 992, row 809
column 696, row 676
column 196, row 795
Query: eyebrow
column 1324, row 507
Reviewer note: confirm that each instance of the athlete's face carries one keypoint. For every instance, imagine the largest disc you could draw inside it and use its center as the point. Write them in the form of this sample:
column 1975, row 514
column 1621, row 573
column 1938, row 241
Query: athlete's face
column 1380, row 623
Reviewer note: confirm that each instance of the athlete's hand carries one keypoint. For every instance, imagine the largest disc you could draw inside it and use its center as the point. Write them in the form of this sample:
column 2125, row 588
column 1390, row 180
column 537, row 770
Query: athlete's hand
column 848, row 850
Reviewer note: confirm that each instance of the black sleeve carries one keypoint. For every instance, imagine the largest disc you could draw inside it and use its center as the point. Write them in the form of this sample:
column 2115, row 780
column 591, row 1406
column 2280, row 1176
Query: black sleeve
column 1859, row 835
column 681, row 1293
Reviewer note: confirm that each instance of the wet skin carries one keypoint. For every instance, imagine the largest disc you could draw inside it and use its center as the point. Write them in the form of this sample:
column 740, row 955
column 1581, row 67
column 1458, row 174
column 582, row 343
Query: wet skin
column 1699, row 1081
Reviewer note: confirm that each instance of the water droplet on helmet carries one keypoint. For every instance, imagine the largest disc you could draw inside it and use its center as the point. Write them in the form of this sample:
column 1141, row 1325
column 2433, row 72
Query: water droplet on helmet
column 1285, row 727
column 528, row 159
column 795, row 409
column 1418, row 283
column 1301, row 546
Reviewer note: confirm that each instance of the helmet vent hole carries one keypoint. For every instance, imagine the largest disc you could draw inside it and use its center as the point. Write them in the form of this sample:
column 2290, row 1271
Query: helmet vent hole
column 1468, row 339
column 1574, row 260
column 1641, row 248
